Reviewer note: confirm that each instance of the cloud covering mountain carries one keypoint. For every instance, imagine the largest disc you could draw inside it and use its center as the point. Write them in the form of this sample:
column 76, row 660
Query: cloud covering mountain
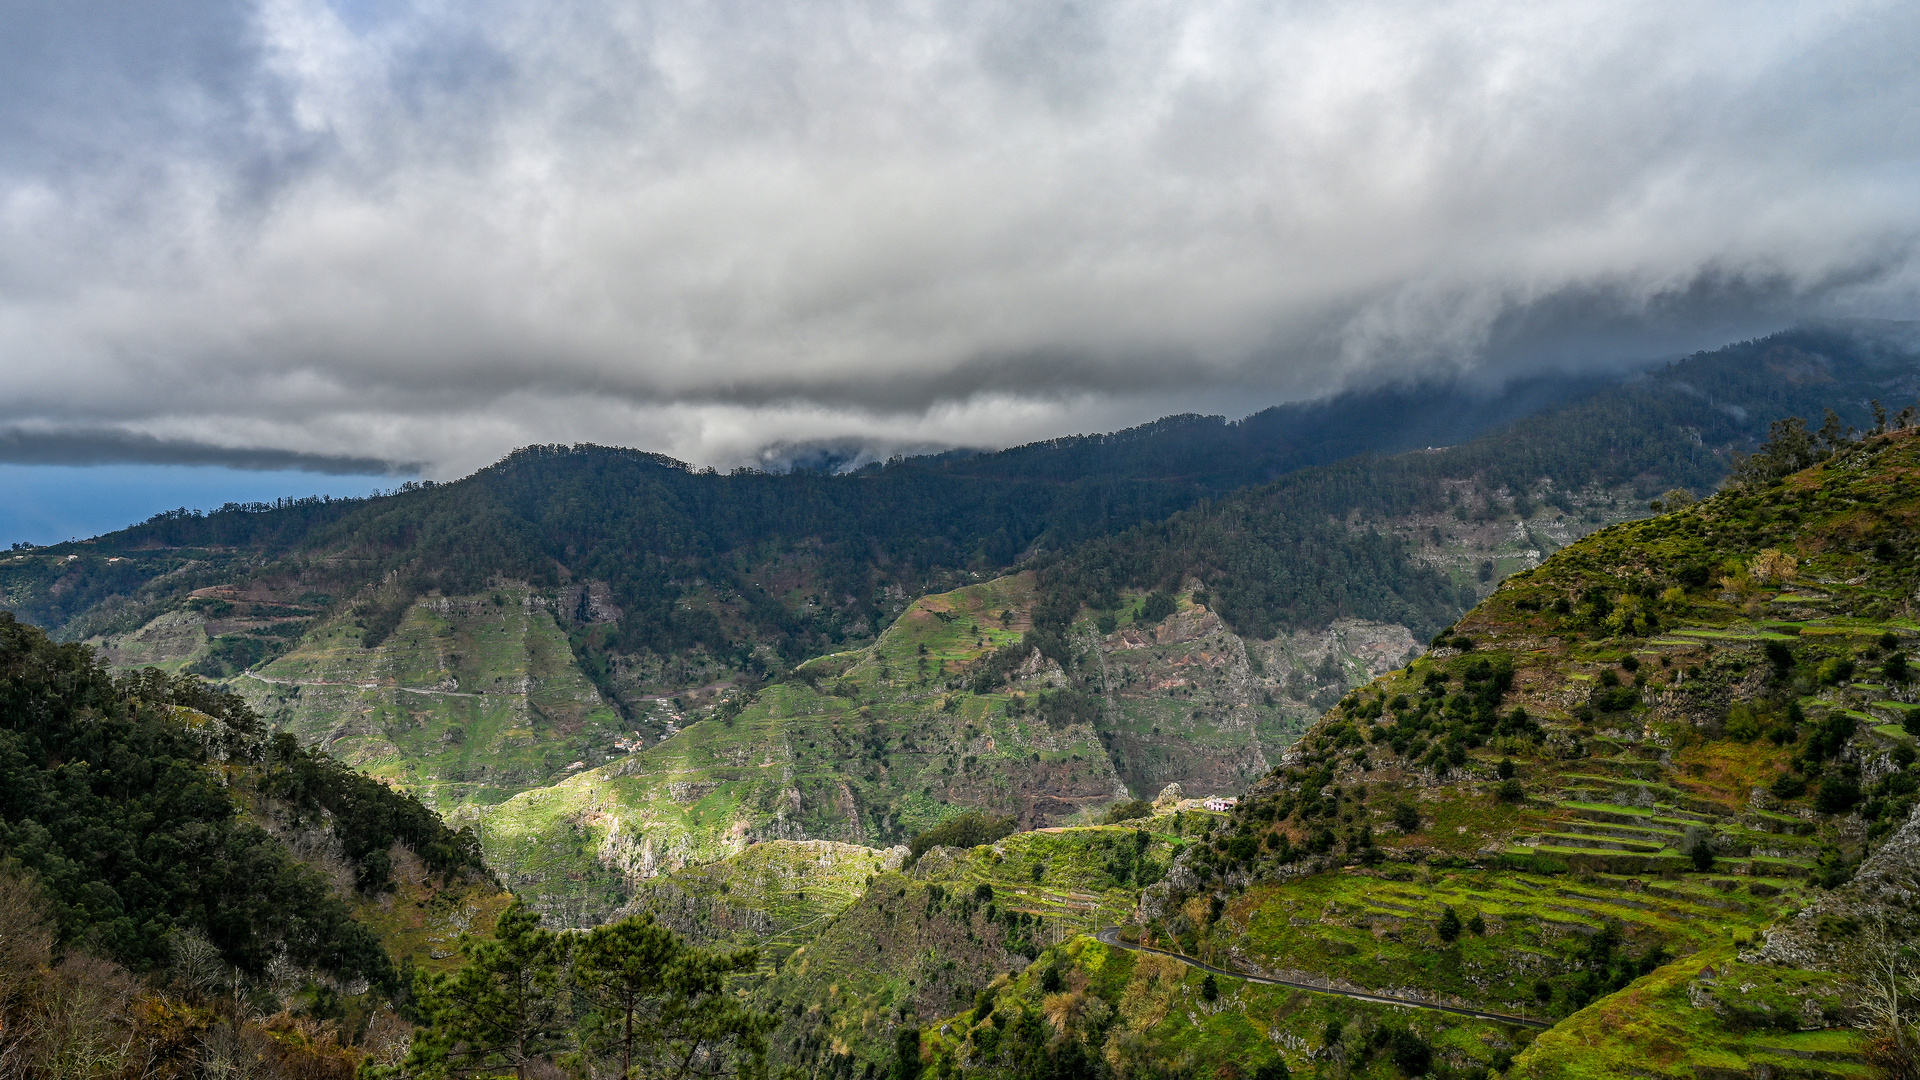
column 433, row 231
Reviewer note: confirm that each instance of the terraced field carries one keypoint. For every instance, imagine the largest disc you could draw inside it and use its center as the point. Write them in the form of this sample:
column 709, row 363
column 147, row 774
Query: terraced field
column 470, row 700
column 1535, row 942
column 1624, row 794
column 923, row 940
column 1674, row 1022
column 773, row 895
column 1143, row 1015
column 1584, row 878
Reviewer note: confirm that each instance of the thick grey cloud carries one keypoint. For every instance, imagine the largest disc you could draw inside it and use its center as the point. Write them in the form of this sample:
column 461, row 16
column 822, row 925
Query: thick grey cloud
column 432, row 231
column 109, row 447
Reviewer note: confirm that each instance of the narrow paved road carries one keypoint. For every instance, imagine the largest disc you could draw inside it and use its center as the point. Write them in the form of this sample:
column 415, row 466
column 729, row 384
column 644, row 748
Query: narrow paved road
column 372, row 686
column 1111, row 936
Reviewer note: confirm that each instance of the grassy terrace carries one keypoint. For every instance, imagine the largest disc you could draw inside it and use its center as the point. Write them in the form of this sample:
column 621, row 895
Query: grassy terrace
column 1611, row 778
column 1369, row 930
column 926, row 939
column 775, row 894
column 1664, row 1026
column 1167, row 1013
column 1079, row 878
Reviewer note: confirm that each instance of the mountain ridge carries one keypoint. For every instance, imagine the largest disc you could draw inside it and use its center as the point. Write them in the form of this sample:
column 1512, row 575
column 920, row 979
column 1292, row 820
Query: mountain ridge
column 1601, row 794
column 701, row 562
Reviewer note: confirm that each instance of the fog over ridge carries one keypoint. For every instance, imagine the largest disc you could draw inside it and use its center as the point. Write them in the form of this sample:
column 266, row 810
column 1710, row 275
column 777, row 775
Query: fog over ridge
column 428, row 232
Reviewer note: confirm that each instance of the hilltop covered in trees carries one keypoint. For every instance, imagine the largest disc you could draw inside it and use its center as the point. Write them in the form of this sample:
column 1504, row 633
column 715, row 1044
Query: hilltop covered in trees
column 1312, row 546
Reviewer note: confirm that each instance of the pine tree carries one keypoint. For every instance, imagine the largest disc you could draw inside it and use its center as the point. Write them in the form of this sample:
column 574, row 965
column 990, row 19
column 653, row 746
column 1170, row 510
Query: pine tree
column 506, row 1009
column 662, row 1008
column 621, row 971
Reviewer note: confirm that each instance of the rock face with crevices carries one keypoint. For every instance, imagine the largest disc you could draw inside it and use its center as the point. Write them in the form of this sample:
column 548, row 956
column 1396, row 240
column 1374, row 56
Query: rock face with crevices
column 1883, row 896
column 1189, row 701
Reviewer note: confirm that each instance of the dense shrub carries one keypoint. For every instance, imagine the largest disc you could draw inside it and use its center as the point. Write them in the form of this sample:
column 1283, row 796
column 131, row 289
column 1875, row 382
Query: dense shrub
column 366, row 815
column 992, row 671
column 1130, row 810
column 1406, row 816
column 1156, row 607
column 970, row 829
column 1061, row 708
column 1838, row 794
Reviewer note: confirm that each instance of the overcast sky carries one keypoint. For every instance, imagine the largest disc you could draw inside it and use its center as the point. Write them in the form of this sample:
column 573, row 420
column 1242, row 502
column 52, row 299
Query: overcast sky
column 425, row 233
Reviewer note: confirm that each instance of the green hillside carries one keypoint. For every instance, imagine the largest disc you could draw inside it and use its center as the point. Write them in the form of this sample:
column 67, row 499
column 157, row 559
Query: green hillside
column 498, row 646
column 866, row 748
column 774, row 894
column 475, row 705
column 1625, row 795
column 1644, row 769
column 924, row 941
column 953, row 708
column 471, row 699
column 1638, row 810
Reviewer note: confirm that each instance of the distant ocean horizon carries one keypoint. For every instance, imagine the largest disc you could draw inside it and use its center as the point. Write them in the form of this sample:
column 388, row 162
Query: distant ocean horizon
column 51, row 504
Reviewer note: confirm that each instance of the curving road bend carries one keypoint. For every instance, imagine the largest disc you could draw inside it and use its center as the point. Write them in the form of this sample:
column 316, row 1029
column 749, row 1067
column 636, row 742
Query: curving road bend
column 1111, row 936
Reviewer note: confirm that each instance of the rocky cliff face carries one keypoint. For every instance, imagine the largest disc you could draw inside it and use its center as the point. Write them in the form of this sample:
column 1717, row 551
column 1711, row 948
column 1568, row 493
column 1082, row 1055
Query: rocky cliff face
column 1879, row 907
column 1190, row 702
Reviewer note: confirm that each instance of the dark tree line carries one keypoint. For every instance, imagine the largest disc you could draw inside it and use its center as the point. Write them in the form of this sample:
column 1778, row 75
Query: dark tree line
column 1300, row 550
column 368, row 816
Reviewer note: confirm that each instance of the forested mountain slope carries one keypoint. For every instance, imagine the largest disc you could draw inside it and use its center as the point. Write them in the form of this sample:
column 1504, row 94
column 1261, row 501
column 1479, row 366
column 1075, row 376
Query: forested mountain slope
column 1657, row 793
column 665, row 575
column 474, row 704
column 653, row 530
column 1346, row 538
column 150, row 827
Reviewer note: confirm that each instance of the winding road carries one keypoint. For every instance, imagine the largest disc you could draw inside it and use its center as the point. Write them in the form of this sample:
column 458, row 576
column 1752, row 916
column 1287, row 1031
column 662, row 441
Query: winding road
column 1111, row 936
